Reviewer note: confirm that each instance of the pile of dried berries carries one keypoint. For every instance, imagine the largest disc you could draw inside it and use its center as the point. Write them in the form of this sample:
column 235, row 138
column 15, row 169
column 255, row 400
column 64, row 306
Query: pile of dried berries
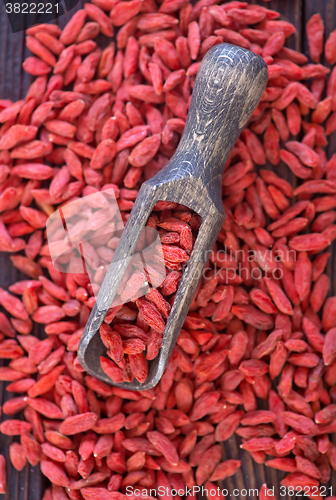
column 261, row 315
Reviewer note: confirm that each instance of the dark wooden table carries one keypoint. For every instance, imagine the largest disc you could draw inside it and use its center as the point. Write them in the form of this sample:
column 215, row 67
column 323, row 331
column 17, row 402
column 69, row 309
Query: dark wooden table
column 29, row 484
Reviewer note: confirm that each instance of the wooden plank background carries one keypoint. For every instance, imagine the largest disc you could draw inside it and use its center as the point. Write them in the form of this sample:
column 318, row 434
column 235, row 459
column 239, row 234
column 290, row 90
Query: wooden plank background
column 29, row 484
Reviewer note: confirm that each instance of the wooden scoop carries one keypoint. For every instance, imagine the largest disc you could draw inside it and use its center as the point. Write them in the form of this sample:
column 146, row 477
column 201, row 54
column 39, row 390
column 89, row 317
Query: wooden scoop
column 228, row 88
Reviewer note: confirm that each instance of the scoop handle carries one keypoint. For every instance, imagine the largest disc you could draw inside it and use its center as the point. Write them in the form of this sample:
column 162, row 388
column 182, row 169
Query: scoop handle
column 229, row 85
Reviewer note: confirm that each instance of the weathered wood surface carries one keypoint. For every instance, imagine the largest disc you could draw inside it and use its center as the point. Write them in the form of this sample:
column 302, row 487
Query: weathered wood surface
column 29, row 484
column 215, row 121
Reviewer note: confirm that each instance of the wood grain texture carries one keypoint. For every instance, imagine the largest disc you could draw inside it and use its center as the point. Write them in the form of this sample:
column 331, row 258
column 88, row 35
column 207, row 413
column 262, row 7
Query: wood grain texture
column 29, row 484
column 327, row 10
column 228, row 88
column 253, row 475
